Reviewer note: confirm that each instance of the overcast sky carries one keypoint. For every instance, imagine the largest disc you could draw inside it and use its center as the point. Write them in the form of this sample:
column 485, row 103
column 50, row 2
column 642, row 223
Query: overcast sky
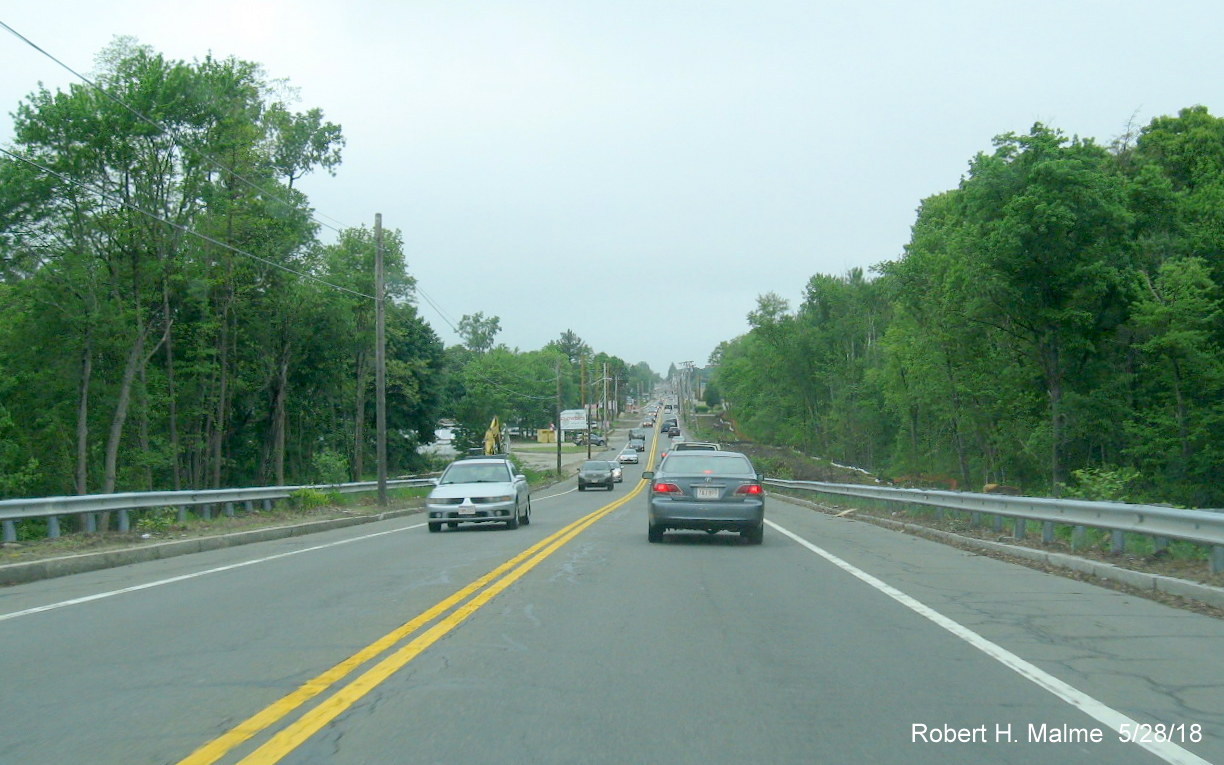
column 639, row 171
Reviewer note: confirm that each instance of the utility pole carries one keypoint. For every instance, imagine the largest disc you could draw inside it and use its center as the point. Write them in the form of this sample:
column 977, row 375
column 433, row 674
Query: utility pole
column 380, row 362
column 585, row 409
column 557, row 423
column 606, row 418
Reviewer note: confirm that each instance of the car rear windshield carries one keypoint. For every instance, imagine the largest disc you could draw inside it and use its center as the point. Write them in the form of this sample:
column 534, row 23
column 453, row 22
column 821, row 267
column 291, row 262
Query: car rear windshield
column 596, row 465
column 703, row 463
column 476, row 473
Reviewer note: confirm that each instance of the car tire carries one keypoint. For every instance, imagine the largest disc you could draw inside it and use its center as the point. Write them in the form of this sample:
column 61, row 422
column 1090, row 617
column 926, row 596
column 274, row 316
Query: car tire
column 755, row 535
column 581, row 487
column 527, row 516
column 654, row 533
column 434, row 527
column 513, row 523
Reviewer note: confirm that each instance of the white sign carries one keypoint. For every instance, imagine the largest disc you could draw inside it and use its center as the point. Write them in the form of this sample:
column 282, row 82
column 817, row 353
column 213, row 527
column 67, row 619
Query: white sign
column 573, row 419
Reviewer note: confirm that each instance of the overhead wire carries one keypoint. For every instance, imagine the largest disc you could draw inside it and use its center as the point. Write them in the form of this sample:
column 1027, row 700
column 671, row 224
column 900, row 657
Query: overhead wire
column 215, row 163
column 178, row 226
column 173, row 134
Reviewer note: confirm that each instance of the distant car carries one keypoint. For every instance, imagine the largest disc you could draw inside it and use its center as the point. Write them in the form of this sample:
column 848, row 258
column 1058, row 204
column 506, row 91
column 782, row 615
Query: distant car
column 709, row 446
column 628, row 454
column 596, row 439
column 669, row 423
column 708, row 491
column 648, row 422
column 638, row 444
column 596, row 473
column 479, row 490
column 673, row 431
column 637, row 433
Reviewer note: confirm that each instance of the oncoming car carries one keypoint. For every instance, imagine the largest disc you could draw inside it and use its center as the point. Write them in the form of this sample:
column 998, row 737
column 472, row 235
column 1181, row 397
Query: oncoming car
column 596, row 473
column 479, row 490
column 708, row 491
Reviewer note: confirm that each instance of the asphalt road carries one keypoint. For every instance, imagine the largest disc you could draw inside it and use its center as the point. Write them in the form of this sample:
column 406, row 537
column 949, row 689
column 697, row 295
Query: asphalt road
column 833, row 642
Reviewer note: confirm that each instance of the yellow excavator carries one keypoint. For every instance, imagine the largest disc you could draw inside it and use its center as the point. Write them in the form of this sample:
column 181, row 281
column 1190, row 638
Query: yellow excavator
column 493, row 443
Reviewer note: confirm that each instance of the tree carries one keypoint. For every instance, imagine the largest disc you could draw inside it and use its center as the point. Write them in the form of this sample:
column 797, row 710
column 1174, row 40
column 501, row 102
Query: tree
column 478, row 332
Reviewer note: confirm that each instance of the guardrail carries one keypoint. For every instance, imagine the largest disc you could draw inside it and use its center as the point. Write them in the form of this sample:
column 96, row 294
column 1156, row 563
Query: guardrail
column 1204, row 527
column 52, row 508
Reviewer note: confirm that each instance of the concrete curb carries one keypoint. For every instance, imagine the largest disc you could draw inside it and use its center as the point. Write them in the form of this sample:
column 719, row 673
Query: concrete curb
column 1203, row 593
column 30, row 571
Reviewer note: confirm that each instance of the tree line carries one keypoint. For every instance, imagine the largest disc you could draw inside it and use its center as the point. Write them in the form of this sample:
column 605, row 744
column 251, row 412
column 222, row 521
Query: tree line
column 171, row 319
column 1053, row 323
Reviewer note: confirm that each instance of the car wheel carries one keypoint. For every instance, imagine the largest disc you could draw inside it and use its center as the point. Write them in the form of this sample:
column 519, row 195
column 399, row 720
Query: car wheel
column 527, row 516
column 434, row 527
column 754, row 535
column 581, row 487
column 654, row 533
column 513, row 523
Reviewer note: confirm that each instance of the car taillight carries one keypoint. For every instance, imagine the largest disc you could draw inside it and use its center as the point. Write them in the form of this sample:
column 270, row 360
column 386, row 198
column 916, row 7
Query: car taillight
column 665, row 488
column 750, row 488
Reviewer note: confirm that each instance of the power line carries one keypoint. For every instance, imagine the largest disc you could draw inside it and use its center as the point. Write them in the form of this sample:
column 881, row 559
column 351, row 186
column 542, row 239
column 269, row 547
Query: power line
column 174, row 136
column 216, row 163
column 180, row 227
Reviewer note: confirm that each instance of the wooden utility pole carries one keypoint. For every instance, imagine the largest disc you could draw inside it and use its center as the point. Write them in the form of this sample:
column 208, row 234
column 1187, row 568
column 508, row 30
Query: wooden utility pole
column 557, row 423
column 586, row 411
column 380, row 362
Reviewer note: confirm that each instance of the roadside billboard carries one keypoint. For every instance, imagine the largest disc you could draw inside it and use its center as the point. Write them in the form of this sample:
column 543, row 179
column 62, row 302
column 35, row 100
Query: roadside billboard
column 573, row 419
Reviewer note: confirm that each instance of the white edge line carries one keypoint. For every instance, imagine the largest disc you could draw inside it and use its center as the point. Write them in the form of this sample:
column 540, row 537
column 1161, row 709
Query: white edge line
column 185, row 577
column 1167, row 751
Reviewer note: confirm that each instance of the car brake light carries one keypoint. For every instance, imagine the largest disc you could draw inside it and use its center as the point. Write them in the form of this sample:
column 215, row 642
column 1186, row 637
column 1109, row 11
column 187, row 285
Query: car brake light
column 750, row 488
column 665, row 488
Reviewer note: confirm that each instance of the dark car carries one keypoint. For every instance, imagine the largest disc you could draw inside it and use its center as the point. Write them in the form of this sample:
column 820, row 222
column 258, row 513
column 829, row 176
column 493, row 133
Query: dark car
column 479, row 490
column 708, row 491
column 673, row 431
column 638, row 444
column 596, row 473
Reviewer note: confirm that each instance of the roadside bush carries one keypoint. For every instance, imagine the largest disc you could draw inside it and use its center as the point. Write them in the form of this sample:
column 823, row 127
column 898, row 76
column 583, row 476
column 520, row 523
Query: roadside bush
column 330, row 467
column 157, row 520
column 304, row 500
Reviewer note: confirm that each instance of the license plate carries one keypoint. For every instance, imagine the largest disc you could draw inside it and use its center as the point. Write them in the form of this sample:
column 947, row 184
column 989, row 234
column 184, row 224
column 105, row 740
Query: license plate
column 467, row 510
column 704, row 492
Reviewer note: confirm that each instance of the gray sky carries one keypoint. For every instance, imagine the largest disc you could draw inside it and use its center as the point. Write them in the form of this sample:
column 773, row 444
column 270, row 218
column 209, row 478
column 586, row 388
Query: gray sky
column 640, row 171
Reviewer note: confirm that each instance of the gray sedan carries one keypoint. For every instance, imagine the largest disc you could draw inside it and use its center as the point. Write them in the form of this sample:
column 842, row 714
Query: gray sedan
column 706, row 491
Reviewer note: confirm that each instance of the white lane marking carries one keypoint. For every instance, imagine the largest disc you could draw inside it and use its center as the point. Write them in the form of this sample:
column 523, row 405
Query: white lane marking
column 554, row 496
column 1167, row 751
column 185, row 577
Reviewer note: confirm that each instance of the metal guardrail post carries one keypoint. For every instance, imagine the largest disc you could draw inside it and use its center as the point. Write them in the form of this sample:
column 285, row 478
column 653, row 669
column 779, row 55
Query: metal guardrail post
column 10, row 531
column 229, row 509
column 125, row 523
column 1217, row 559
column 1117, row 541
column 53, row 529
column 1047, row 532
column 182, row 514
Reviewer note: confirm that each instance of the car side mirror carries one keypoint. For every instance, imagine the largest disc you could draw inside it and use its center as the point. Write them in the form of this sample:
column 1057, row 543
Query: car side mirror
column 647, row 474
column 520, row 477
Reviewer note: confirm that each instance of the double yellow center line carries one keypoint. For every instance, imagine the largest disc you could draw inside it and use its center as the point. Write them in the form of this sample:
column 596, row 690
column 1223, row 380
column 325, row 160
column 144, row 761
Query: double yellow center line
column 476, row 594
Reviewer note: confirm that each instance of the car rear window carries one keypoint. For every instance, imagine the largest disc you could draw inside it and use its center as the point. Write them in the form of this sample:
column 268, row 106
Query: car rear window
column 702, row 462
column 596, row 465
